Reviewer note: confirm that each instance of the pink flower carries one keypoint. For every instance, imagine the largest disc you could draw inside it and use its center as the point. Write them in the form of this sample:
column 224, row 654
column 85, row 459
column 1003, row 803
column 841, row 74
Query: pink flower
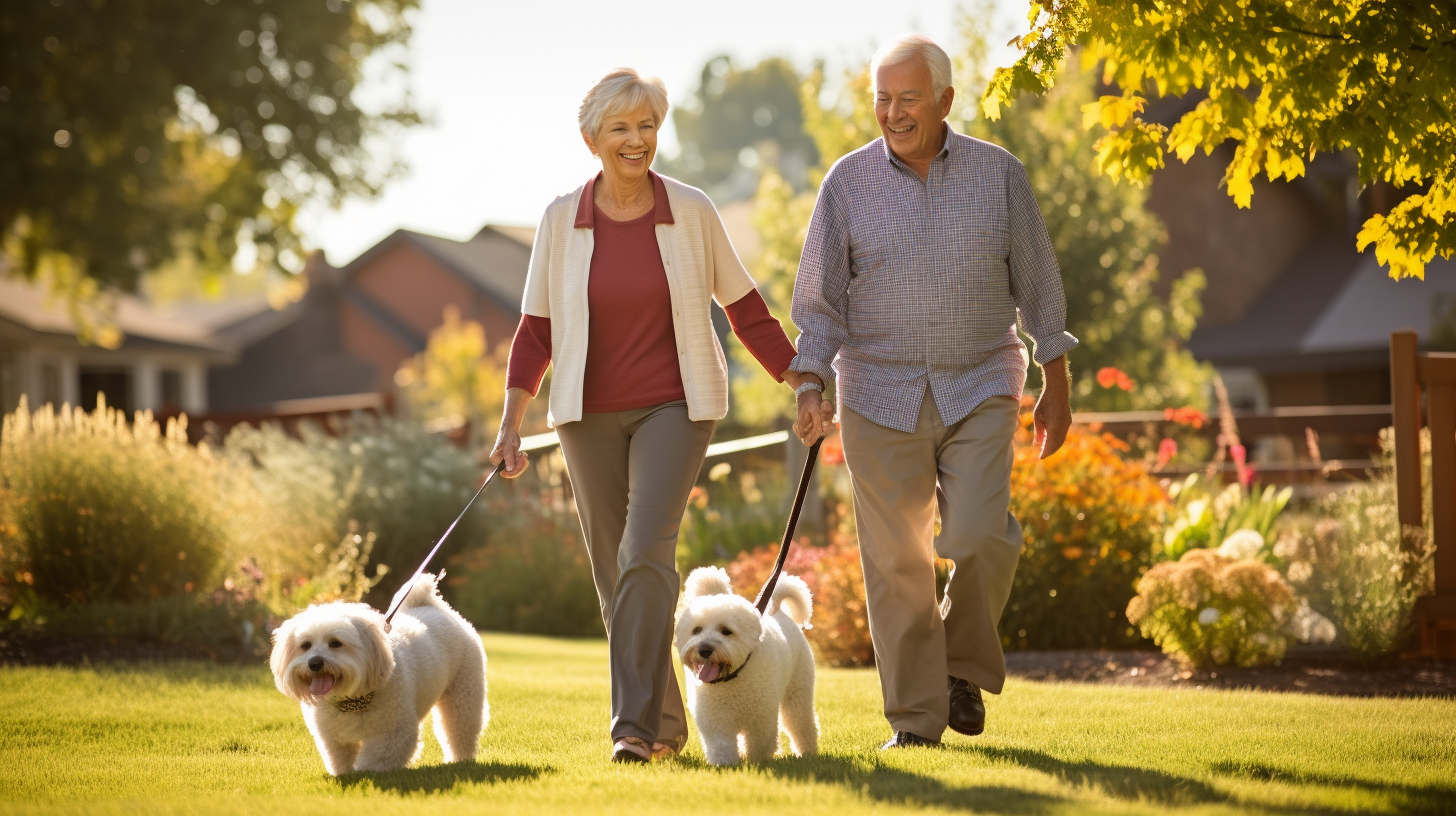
column 1166, row 451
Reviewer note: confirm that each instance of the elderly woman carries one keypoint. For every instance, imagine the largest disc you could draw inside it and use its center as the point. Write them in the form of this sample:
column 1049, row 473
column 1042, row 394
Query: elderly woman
column 617, row 299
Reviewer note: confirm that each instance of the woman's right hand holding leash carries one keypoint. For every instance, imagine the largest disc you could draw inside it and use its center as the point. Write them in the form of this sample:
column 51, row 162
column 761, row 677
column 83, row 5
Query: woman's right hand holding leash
column 508, row 440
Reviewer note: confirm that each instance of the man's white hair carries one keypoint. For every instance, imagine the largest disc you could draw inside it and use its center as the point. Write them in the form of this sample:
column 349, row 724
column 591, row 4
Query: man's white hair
column 909, row 46
column 619, row 92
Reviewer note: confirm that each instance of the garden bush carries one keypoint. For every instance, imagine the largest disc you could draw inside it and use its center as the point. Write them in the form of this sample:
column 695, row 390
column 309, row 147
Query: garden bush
column 103, row 512
column 1358, row 566
column 1209, row 610
column 736, row 511
column 841, row 633
column 534, row 575
column 1203, row 518
column 383, row 476
column 1089, row 520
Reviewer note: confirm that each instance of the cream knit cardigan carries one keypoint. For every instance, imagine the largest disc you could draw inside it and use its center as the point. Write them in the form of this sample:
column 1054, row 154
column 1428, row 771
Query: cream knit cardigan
column 700, row 264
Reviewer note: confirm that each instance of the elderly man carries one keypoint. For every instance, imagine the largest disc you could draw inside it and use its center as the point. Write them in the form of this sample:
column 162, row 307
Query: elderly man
column 923, row 248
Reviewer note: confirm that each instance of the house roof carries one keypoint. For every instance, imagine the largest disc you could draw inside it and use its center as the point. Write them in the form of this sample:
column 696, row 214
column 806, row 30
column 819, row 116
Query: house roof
column 494, row 262
column 1331, row 306
column 28, row 305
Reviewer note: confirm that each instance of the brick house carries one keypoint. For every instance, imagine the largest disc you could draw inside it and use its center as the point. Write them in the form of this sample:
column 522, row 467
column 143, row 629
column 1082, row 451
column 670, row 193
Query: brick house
column 359, row 322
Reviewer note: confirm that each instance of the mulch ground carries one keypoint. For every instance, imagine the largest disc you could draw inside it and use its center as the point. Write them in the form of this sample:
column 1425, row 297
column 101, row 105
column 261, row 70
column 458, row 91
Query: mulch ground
column 1305, row 673
column 1301, row 672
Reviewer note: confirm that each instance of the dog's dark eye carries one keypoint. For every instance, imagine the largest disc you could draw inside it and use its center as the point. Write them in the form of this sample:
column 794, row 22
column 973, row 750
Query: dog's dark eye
column 726, row 632
column 305, row 646
column 698, row 630
column 334, row 644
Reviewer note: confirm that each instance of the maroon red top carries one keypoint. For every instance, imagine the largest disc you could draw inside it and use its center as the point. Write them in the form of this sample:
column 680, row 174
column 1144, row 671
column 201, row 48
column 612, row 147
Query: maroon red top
column 631, row 350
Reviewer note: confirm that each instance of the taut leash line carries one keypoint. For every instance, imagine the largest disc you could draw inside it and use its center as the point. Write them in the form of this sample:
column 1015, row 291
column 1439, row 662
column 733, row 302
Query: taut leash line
column 403, row 591
column 765, row 595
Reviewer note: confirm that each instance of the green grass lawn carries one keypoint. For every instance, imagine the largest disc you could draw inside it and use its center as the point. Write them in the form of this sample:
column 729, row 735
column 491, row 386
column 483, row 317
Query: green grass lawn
column 198, row 738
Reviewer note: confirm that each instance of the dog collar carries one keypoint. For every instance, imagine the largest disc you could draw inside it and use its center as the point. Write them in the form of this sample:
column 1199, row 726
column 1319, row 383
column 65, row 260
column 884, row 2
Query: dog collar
column 352, row 704
column 730, row 675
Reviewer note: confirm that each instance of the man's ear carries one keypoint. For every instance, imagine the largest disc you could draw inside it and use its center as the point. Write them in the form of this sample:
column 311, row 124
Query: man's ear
column 947, row 98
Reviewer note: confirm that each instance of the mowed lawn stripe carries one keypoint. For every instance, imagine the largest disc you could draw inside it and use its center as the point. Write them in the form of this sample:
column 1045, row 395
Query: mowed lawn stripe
column 191, row 737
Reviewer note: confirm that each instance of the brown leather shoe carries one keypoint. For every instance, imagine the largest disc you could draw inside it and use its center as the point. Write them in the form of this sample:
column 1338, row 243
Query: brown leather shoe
column 967, row 709
column 905, row 739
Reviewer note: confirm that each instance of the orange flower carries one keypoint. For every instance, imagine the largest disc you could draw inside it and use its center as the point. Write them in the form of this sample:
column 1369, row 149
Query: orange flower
column 1166, row 451
column 1185, row 416
column 1109, row 376
column 832, row 452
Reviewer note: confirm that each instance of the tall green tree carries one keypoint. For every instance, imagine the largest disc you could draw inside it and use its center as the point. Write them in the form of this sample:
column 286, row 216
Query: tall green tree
column 738, row 121
column 1106, row 241
column 134, row 132
column 1283, row 80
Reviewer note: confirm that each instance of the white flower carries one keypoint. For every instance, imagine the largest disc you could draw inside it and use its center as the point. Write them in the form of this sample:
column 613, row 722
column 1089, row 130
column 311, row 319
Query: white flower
column 1299, row 572
column 1241, row 544
column 1286, row 547
column 1209, row 616
column 1309, row 626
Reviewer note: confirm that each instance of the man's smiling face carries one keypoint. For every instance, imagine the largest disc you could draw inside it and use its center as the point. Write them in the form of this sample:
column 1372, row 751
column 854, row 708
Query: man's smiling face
column 909, row 113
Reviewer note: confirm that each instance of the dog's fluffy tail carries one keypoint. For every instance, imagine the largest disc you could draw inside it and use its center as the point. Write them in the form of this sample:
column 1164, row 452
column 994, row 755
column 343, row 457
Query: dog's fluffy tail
column 707, row 581
column 791, row 595
column 425, row 591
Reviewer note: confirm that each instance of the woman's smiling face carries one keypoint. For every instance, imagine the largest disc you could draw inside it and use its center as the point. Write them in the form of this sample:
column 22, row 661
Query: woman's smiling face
column 626, row 143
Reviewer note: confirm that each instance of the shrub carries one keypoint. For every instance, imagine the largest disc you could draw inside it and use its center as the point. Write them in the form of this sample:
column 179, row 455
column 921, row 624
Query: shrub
column 1202, row 519
column 106, row 512
column 1358, row 566
column 388, row 477
column 841, row 632
column 534, row 575
column 1209, row 610
column 729, row 515
column 1089, row 520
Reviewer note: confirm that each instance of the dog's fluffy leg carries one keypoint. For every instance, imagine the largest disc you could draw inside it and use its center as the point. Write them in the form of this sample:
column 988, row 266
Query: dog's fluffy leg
column 719, row 749
column 338, row 756
column 461, row 714
column 761, row 737
column 797, row 715
column 393, row 748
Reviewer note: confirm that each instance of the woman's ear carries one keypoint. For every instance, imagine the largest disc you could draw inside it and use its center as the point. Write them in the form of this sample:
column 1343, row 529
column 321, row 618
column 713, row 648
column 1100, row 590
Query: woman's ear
column 590, row 144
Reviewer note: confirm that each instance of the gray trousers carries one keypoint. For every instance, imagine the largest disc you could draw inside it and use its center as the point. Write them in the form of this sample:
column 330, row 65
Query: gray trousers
column 632, row 472
column 899, row 479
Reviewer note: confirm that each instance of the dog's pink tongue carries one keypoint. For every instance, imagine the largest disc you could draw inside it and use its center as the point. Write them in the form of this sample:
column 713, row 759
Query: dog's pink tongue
column 321, row 685
column 708, row 672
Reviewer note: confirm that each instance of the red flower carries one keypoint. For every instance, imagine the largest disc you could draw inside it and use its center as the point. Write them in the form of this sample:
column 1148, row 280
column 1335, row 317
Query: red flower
column 1109, row 376
column 1185, row 416
column 1245, row 471
column 1166, row 451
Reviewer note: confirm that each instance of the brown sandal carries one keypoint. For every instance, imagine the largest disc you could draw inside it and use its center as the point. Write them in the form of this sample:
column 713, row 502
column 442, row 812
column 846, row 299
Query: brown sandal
column 662, row 750
column 631, row 749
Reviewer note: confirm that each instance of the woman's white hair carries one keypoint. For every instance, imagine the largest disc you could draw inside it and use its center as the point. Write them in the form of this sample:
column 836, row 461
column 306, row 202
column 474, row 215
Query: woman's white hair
column 908, row 47
column 618, row 92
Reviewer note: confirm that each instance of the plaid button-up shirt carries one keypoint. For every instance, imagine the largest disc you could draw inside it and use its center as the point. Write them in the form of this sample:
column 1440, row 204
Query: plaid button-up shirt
column 905, row 282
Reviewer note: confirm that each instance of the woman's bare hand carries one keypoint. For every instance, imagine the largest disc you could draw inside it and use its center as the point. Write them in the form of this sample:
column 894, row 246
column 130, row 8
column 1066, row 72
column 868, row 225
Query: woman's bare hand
column 508, row 449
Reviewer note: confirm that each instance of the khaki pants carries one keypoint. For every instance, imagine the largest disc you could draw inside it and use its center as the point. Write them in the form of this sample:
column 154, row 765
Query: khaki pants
column 631, row 472
column 899, row 478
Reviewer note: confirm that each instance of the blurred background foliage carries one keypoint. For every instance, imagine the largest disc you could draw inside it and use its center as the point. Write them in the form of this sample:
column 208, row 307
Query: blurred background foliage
column 197, row 128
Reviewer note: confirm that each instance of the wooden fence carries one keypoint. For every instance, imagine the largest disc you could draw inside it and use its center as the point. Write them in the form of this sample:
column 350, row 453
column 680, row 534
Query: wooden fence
column 1411, row 373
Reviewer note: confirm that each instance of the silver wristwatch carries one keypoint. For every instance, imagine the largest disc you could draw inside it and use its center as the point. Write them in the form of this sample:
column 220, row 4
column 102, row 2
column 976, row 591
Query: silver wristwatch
column 808, row 385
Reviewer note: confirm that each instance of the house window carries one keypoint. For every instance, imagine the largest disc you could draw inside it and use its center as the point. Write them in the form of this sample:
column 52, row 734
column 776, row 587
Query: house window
column 50, row 384
column 112, row 381
column 171, row 390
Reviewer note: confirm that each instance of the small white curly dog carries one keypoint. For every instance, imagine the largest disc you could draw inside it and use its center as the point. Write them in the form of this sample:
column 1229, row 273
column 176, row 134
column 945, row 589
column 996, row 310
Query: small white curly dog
column 747, row 675
column 365, row 692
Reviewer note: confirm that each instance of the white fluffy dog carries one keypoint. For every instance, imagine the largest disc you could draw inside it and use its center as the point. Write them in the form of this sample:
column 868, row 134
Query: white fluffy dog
column 747, row 675
column 365, row 692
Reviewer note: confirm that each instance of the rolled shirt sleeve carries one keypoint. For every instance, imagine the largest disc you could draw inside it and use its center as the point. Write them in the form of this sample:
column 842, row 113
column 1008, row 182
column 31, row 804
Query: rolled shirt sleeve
column 821, row 289
column 1036, row 280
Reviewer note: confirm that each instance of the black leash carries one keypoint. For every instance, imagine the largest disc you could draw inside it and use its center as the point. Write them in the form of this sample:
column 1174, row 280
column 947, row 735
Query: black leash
column 403, row 592
column 765, row 595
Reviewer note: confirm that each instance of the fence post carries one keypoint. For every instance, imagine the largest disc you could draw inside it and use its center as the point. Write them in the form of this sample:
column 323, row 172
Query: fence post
column 1405, row 409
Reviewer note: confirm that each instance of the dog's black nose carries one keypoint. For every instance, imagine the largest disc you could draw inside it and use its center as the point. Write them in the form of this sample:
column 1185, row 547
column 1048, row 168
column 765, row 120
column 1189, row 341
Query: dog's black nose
column 315, row 663
column 705, row 651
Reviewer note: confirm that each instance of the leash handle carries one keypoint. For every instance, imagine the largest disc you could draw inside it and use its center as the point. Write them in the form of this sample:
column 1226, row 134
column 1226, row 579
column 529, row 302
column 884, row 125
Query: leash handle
column 765, row 595
column 403, row 592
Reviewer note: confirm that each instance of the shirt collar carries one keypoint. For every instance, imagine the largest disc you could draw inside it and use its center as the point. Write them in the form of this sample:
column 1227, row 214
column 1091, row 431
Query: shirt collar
column 661, row 208
column 946, row 148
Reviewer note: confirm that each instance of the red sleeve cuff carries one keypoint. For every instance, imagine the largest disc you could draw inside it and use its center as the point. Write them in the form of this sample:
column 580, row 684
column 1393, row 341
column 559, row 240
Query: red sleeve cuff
column 530, row 354
column 761, row 333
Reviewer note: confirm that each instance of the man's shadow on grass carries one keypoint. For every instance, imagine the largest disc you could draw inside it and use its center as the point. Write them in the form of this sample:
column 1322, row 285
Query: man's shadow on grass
column 890, row 785
column 1407, row 798
column 439, row 778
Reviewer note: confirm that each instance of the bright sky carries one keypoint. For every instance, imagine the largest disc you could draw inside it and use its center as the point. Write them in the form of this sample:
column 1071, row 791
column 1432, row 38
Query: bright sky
column 501, row 82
